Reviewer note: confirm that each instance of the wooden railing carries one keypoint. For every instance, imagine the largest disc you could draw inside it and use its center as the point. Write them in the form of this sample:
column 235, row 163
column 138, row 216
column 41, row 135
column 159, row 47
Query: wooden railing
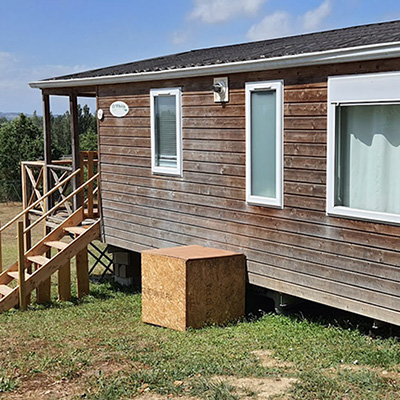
column 89, row 167
column 37, row 178
column 88, row 190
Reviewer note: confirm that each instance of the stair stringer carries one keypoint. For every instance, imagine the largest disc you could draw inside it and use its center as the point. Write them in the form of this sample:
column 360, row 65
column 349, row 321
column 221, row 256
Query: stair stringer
column 63, row 256
column 40, row 248
column 55, row 263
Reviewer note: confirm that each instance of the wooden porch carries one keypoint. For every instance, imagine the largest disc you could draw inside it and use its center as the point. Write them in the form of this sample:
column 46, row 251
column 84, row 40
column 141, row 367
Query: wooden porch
column 61, row 197
column 64, row 236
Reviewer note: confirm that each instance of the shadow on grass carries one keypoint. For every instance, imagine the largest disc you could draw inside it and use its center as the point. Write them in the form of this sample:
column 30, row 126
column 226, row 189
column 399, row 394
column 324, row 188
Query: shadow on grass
column 257, row 305
column 100, row 289
column 112, row 285
column 330, row 316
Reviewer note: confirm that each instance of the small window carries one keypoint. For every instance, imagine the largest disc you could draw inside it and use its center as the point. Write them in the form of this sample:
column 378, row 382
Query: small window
column 364, row 147
column 166, row 148
column 264, row 138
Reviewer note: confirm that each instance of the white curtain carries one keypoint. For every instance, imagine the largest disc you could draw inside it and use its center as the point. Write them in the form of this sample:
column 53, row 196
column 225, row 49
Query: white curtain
column 368, row 163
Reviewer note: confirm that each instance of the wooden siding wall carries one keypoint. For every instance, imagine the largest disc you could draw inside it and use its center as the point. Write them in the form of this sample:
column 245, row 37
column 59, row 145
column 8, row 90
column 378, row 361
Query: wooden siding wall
column 299, row 250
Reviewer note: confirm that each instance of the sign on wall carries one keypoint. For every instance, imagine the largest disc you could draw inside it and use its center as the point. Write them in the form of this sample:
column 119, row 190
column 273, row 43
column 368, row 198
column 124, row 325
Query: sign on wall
column 119, row 109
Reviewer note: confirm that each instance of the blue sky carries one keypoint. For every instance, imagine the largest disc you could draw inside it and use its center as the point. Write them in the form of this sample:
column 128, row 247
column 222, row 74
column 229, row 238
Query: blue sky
column 44, row 38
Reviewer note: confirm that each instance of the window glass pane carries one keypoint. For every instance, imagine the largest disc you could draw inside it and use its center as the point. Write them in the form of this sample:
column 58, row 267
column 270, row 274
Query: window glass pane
column 263, row 143
column 165, row 131
column 368, row 157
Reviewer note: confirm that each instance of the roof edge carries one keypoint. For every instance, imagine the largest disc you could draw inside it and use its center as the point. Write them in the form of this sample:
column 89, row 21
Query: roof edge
column 359, row 53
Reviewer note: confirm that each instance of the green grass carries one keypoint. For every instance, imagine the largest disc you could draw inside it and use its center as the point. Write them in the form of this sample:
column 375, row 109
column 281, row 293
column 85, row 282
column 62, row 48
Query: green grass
column 101, row 345
column 98, row 348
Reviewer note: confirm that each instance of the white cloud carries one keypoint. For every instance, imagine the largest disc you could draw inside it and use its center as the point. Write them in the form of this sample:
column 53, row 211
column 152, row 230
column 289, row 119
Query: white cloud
column 180, row 37
column 275, row 25
column 313, row 19
column 15, row 93
column 215, row 11
column 281, row 23
column 7, row 60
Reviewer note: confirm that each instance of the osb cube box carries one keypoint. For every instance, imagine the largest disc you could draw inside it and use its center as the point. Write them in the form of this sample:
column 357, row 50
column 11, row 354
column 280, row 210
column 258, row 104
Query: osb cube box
column 191, row 286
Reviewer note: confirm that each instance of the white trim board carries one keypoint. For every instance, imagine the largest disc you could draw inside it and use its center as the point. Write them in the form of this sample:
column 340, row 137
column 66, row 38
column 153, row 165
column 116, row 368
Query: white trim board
column 163, row 170
column 276, row 201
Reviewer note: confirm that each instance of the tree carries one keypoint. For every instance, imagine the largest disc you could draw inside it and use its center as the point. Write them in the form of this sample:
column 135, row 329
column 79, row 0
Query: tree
column 37, row 121
column 61, row 132
column 86, row 120
column 20, row 140
column 88, row 141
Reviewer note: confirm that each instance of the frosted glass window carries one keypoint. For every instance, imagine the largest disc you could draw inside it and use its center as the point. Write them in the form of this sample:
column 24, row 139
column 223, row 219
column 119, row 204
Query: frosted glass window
column 367, row 167
column 165, row 131
column 263, row 143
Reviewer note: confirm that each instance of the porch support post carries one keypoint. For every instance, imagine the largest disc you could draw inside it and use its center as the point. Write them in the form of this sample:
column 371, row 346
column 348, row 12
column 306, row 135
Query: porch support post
column 47, row 144
column 73, row 106
column 82, row 272
column 44, row 289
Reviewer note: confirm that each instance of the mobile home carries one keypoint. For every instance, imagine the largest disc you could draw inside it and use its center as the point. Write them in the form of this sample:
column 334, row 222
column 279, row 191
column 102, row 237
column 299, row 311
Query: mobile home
column 287, row 150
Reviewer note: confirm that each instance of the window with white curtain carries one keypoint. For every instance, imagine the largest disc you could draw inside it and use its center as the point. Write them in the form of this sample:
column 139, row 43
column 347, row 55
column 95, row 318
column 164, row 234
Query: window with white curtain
column 364, row 147
column 264, row 143
column 166, row 145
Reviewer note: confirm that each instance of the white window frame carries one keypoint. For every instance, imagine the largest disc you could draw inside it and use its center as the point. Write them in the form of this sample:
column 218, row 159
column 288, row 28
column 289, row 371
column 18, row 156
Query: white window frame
column 156, row 169
column 277, row 201
column 379, row 88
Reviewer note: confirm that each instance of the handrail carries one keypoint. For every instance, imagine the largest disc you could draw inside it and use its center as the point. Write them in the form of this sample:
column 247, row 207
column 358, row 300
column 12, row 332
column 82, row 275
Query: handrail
column 80, row 188
column 41, row 163
column 60, row 167
column 55, row 162
column 50, row 192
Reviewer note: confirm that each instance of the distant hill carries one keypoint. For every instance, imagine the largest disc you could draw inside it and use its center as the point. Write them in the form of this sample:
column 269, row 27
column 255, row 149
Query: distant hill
column 11, row 115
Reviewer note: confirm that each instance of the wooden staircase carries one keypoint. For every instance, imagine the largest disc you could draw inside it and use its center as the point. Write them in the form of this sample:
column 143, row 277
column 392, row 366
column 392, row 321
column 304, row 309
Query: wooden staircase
column 50, row 254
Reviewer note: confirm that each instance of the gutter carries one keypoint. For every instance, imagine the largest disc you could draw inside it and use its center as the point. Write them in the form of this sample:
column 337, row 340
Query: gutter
column 359, row 53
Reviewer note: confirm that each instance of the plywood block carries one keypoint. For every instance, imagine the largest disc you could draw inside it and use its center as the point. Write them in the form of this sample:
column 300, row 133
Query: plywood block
column 191, row 286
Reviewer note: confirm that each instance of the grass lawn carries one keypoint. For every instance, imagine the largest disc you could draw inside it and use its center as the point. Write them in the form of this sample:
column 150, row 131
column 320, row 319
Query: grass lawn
column 98, row 348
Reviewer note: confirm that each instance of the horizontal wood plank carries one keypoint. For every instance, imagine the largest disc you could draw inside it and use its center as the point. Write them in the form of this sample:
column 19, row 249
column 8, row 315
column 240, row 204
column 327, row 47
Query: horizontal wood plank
column 234, row 210
column 305, row 109
column 242, row 235
column 279, row 267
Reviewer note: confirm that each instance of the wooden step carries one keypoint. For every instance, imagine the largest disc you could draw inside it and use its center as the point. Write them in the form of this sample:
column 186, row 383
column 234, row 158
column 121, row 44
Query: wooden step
column 40, row 260
column 14, row 275
column 76, row 230
column 57, row 244
column 5, row 290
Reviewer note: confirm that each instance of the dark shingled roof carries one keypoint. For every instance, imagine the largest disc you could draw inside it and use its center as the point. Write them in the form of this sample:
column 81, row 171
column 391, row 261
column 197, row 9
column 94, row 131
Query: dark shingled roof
column 363, row 35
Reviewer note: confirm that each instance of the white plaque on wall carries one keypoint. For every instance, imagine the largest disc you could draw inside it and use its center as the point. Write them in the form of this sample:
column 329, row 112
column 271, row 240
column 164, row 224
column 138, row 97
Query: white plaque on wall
column 119, row 109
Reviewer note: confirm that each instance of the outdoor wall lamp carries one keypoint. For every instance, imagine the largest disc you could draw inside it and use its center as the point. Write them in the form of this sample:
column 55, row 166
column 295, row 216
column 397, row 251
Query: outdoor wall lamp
column 221, row 90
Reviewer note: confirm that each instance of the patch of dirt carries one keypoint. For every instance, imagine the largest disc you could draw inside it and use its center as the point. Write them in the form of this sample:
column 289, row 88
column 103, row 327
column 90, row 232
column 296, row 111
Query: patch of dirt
column 42, row 387
column 267, row 360
column 263, row 388
column 153, row 396
column 108, row 368
column 393, row 375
